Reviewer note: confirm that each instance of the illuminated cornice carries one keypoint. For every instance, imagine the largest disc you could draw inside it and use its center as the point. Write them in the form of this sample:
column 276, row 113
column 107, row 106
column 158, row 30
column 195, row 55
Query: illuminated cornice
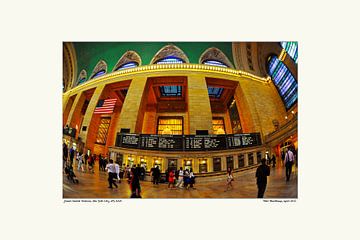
column 161, row 68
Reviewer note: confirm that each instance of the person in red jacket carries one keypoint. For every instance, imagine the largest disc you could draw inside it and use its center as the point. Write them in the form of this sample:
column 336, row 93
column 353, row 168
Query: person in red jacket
column 171, row 179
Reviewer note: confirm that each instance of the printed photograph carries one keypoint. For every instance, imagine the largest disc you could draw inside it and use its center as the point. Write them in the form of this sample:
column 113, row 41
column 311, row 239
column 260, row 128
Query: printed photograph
column 176, row 120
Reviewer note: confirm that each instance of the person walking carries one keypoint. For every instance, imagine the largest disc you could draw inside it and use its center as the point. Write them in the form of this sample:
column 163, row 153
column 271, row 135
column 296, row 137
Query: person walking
column 273, row 159
column 192, row 178
column 65, row 154
column 180, row 179
column 111, row 168
column 171, row 179
column 289, row 161
column 262, row 172
column 229, row 179
column 135, row 184
column 80, row 162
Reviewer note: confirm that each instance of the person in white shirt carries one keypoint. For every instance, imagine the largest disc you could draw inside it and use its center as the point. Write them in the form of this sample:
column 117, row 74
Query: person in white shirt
column 113, row 173
column 289, row 161
column 181, row 178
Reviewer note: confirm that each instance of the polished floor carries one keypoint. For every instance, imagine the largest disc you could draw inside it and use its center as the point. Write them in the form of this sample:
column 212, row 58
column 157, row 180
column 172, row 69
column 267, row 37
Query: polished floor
column 95, row 185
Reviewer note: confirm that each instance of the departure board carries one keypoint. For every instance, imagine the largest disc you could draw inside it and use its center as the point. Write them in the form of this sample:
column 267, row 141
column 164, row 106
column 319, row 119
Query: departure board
column 214, row 142
column 149, row 142
column 130, row 140
column 171, row 142
column 188, row 142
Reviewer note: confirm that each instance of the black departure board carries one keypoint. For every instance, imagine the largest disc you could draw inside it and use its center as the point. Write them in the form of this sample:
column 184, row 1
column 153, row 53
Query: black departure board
column 193, row 142
column 214, row 142
column 243, row 140
column 130, row 140
column 171, row 142
column 149, row 142
column 188, row 142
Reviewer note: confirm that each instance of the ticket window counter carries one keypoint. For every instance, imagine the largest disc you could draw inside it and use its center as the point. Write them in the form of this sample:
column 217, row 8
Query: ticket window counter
column 229, row 162
column 130, row 161
column 119, row 159
column 187, row 164
column 217, row 164
column 241, row 159
column 172, row 164
column 158, row 163
column 258, row 157
column 143, row 163
column 203, row 165
column 251, row 159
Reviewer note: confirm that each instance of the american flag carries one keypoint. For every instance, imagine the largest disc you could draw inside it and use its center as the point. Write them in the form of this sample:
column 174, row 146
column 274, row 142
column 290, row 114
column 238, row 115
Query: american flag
column 105, row 106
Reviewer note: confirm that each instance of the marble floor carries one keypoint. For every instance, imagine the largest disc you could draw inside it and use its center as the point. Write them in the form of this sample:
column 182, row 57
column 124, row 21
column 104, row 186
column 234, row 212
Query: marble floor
column 95, row 185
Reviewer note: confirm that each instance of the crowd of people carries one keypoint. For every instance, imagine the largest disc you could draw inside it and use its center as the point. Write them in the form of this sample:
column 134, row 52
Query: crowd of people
column 176, row 179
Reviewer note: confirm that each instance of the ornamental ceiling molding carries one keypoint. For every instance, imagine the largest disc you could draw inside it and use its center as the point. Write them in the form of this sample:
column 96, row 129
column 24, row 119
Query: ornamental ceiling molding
column 101, row 65
column 214, row 53
column 129, row 56
column 69, row 62
column 169, row 50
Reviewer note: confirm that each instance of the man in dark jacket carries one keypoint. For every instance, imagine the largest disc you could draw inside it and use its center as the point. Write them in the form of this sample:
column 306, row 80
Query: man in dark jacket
column 261, row 177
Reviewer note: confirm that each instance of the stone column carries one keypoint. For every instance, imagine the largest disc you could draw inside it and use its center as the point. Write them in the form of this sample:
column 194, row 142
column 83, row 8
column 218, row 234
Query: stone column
column 210, row 163
column 131, row 110
column 74, row 108
column 196, row 165
column 223, row 163
column 199, row 110
column 90, row 111
column 246, row 160
column 236, row 161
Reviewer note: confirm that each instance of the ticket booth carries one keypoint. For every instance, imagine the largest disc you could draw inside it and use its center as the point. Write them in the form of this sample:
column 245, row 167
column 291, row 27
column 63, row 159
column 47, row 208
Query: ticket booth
column 251, row 159
column 158, row 163
column 172, row 164
column 241, row 160
column 258, row 157
column 119, row 159
column 130, row 160
column 229, row 162
column 143, row 163
column 217, row 164
column 188, row 164
column 203, row 165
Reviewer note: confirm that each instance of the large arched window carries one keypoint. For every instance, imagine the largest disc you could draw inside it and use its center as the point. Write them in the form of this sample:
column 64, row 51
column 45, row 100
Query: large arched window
column 284, row 81
column 129, row 59
column 169, row 54
column 99, row 70
column 82, row 77
column 292, row 49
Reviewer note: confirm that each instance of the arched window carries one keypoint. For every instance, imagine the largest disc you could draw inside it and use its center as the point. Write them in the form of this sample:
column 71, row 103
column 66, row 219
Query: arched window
column 127, row 65
column 82, row 77
column 215, row 63
column 214, row 56
column 292, row 49
column 284, row 81
column 99, row 70
column 169, row 54
column 129, row 59
column 169, row 60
